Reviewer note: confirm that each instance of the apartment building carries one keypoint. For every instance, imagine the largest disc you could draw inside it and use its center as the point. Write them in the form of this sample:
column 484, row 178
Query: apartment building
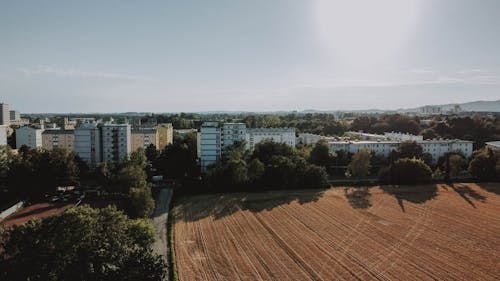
column 87, row 140
column 308, row 139
column 165, row 135
column 144, row 137
column 29, row 136
column 58, row 138
column 4, row 114
column 116, row 142
column 233, row 133
column 15, row 115
column 3, row 135
column 436, row 148
column 280, row 135
column 210, row 139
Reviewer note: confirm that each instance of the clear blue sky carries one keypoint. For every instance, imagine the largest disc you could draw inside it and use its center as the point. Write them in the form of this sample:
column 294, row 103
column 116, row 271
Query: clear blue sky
column 164, row 56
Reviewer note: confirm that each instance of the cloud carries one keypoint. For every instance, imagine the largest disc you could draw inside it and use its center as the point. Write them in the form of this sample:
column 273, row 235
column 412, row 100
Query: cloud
column 71, row 72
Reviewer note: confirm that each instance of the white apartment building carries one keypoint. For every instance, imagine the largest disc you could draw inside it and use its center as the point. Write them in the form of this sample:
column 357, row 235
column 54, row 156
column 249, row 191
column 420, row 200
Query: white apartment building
column 280, row 135
column 15, row 115
column 29, row 136
column 308, row 139
column 3, row 135
column 436, row 148
column 116, row 142
column 390, row 136
column 232, row 133
column 403, row 137
column 4, row 114
column 210, row 143
column 88, row 143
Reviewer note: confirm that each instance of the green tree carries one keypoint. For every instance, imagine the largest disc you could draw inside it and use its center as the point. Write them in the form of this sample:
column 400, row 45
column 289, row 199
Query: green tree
column 256, row 170
column 141, row 203
column 360, row 164
column 406, row 171
column 457, row 164
column 81, row 244
column 320, row 154
column 483, row 165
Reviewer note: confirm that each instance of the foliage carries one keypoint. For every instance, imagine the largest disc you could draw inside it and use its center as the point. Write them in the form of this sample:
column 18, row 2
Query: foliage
column 360, row 164
column 141, row 203
column 178, row 160
column 406, row 171
column 483, row 165
column 321, row 155
column 81, row 244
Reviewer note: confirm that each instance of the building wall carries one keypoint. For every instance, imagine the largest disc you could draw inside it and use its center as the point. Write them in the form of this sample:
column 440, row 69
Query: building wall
column 116, row 142
column 210, row 144
column 87, row 140
column 3, row 135
column 57, row 138
column 4, row 114
column 308, row 139
column 232, row 133
column 28, row 136
column 280, row 135
column 15, row 115
column 143, row 138
column 165, row 135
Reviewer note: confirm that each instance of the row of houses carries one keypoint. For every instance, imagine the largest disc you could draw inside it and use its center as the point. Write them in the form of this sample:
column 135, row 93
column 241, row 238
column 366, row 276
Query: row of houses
column 215, row 137
column 96, row 142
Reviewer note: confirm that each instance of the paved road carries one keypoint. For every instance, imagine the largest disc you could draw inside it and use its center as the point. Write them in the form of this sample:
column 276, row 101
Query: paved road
column 160, row 217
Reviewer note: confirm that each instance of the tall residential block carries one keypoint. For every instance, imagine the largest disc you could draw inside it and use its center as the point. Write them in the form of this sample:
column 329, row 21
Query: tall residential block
column 233, row 133
column 116, row 142
column 29, row 136
column 88, row 143
column 210, row 144
column 4, row 114
column 144, row 137
column 165, row 135
column 58, row 138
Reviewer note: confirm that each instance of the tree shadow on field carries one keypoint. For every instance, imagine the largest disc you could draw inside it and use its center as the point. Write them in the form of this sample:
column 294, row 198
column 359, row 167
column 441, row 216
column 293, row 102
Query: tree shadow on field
column 412, row 193
column 467, row 193
column 490, row 187
column 358, row 197
column 218, row 206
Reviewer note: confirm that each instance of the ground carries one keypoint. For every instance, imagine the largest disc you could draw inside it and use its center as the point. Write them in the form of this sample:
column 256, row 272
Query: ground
column 447, row 232
column 159, row 220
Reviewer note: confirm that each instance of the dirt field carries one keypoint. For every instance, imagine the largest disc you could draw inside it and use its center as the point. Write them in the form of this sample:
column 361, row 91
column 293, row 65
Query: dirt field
column 443, row 232
column 39, row 210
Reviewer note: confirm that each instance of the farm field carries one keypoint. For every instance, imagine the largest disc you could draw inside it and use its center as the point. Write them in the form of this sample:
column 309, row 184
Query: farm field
column 39, row 210
column 447, row 232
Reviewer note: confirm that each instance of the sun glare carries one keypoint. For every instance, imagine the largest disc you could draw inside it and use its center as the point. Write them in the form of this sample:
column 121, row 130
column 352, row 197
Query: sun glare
column 361, row 33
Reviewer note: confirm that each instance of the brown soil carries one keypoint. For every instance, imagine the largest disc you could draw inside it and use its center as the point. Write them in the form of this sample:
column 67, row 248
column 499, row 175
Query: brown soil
column 446, row 232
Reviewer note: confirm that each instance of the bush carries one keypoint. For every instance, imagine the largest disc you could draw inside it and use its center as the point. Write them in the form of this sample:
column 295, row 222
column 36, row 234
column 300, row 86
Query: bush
column 406, row 171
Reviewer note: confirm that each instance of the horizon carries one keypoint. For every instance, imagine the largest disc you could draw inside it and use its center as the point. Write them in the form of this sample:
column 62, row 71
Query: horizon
column 164, row 56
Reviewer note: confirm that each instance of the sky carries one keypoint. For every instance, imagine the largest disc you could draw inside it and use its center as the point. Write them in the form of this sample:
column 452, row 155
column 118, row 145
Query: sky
column 259, row 55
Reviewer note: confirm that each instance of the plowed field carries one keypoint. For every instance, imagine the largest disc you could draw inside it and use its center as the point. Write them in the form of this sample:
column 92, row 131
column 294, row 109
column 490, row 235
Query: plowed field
column 420, row 233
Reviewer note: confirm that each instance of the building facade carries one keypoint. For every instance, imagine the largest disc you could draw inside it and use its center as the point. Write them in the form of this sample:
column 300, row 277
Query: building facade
column 233, row 133
column 210, row 144
column 3, row 135
column 165, row 135
column 280, row 135
column 436, row 148
column 143, row 137
column 58, row 138
column 4, row 114
column 29, row 136
column 308, row 139
column 15, row 115
column 88, row 143
column 116, row 142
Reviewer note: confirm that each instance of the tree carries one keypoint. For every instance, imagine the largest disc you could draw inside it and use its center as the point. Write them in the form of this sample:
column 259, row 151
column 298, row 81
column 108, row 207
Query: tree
column 320, row 154
column 256, row 170
column 483, row 165
column 410, row 149
column 141, row 203
column 81, row 244
column 360, row 164
column 456, row 165
column 406, row 171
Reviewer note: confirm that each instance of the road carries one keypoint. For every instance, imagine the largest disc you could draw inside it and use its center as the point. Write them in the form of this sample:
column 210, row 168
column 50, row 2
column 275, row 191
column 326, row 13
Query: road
column 160, row 218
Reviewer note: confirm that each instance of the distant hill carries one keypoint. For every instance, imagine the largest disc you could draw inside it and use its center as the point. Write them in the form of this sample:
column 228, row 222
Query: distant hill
column 489, row 106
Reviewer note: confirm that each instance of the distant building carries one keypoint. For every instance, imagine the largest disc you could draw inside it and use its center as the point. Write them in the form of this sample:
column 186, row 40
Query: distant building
column 4, row 114
column 144, row 137
column 58, row 138
column 29, row 136
column 308, row 139
column 116, row 142
column 436, row 148
column 495, row 145
column 15, row 115
column 403, row 137
column 280, row 135
column 430, row 110
column 3, row 135
column 165, row 135
column 185, row 132
column 88, row 143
